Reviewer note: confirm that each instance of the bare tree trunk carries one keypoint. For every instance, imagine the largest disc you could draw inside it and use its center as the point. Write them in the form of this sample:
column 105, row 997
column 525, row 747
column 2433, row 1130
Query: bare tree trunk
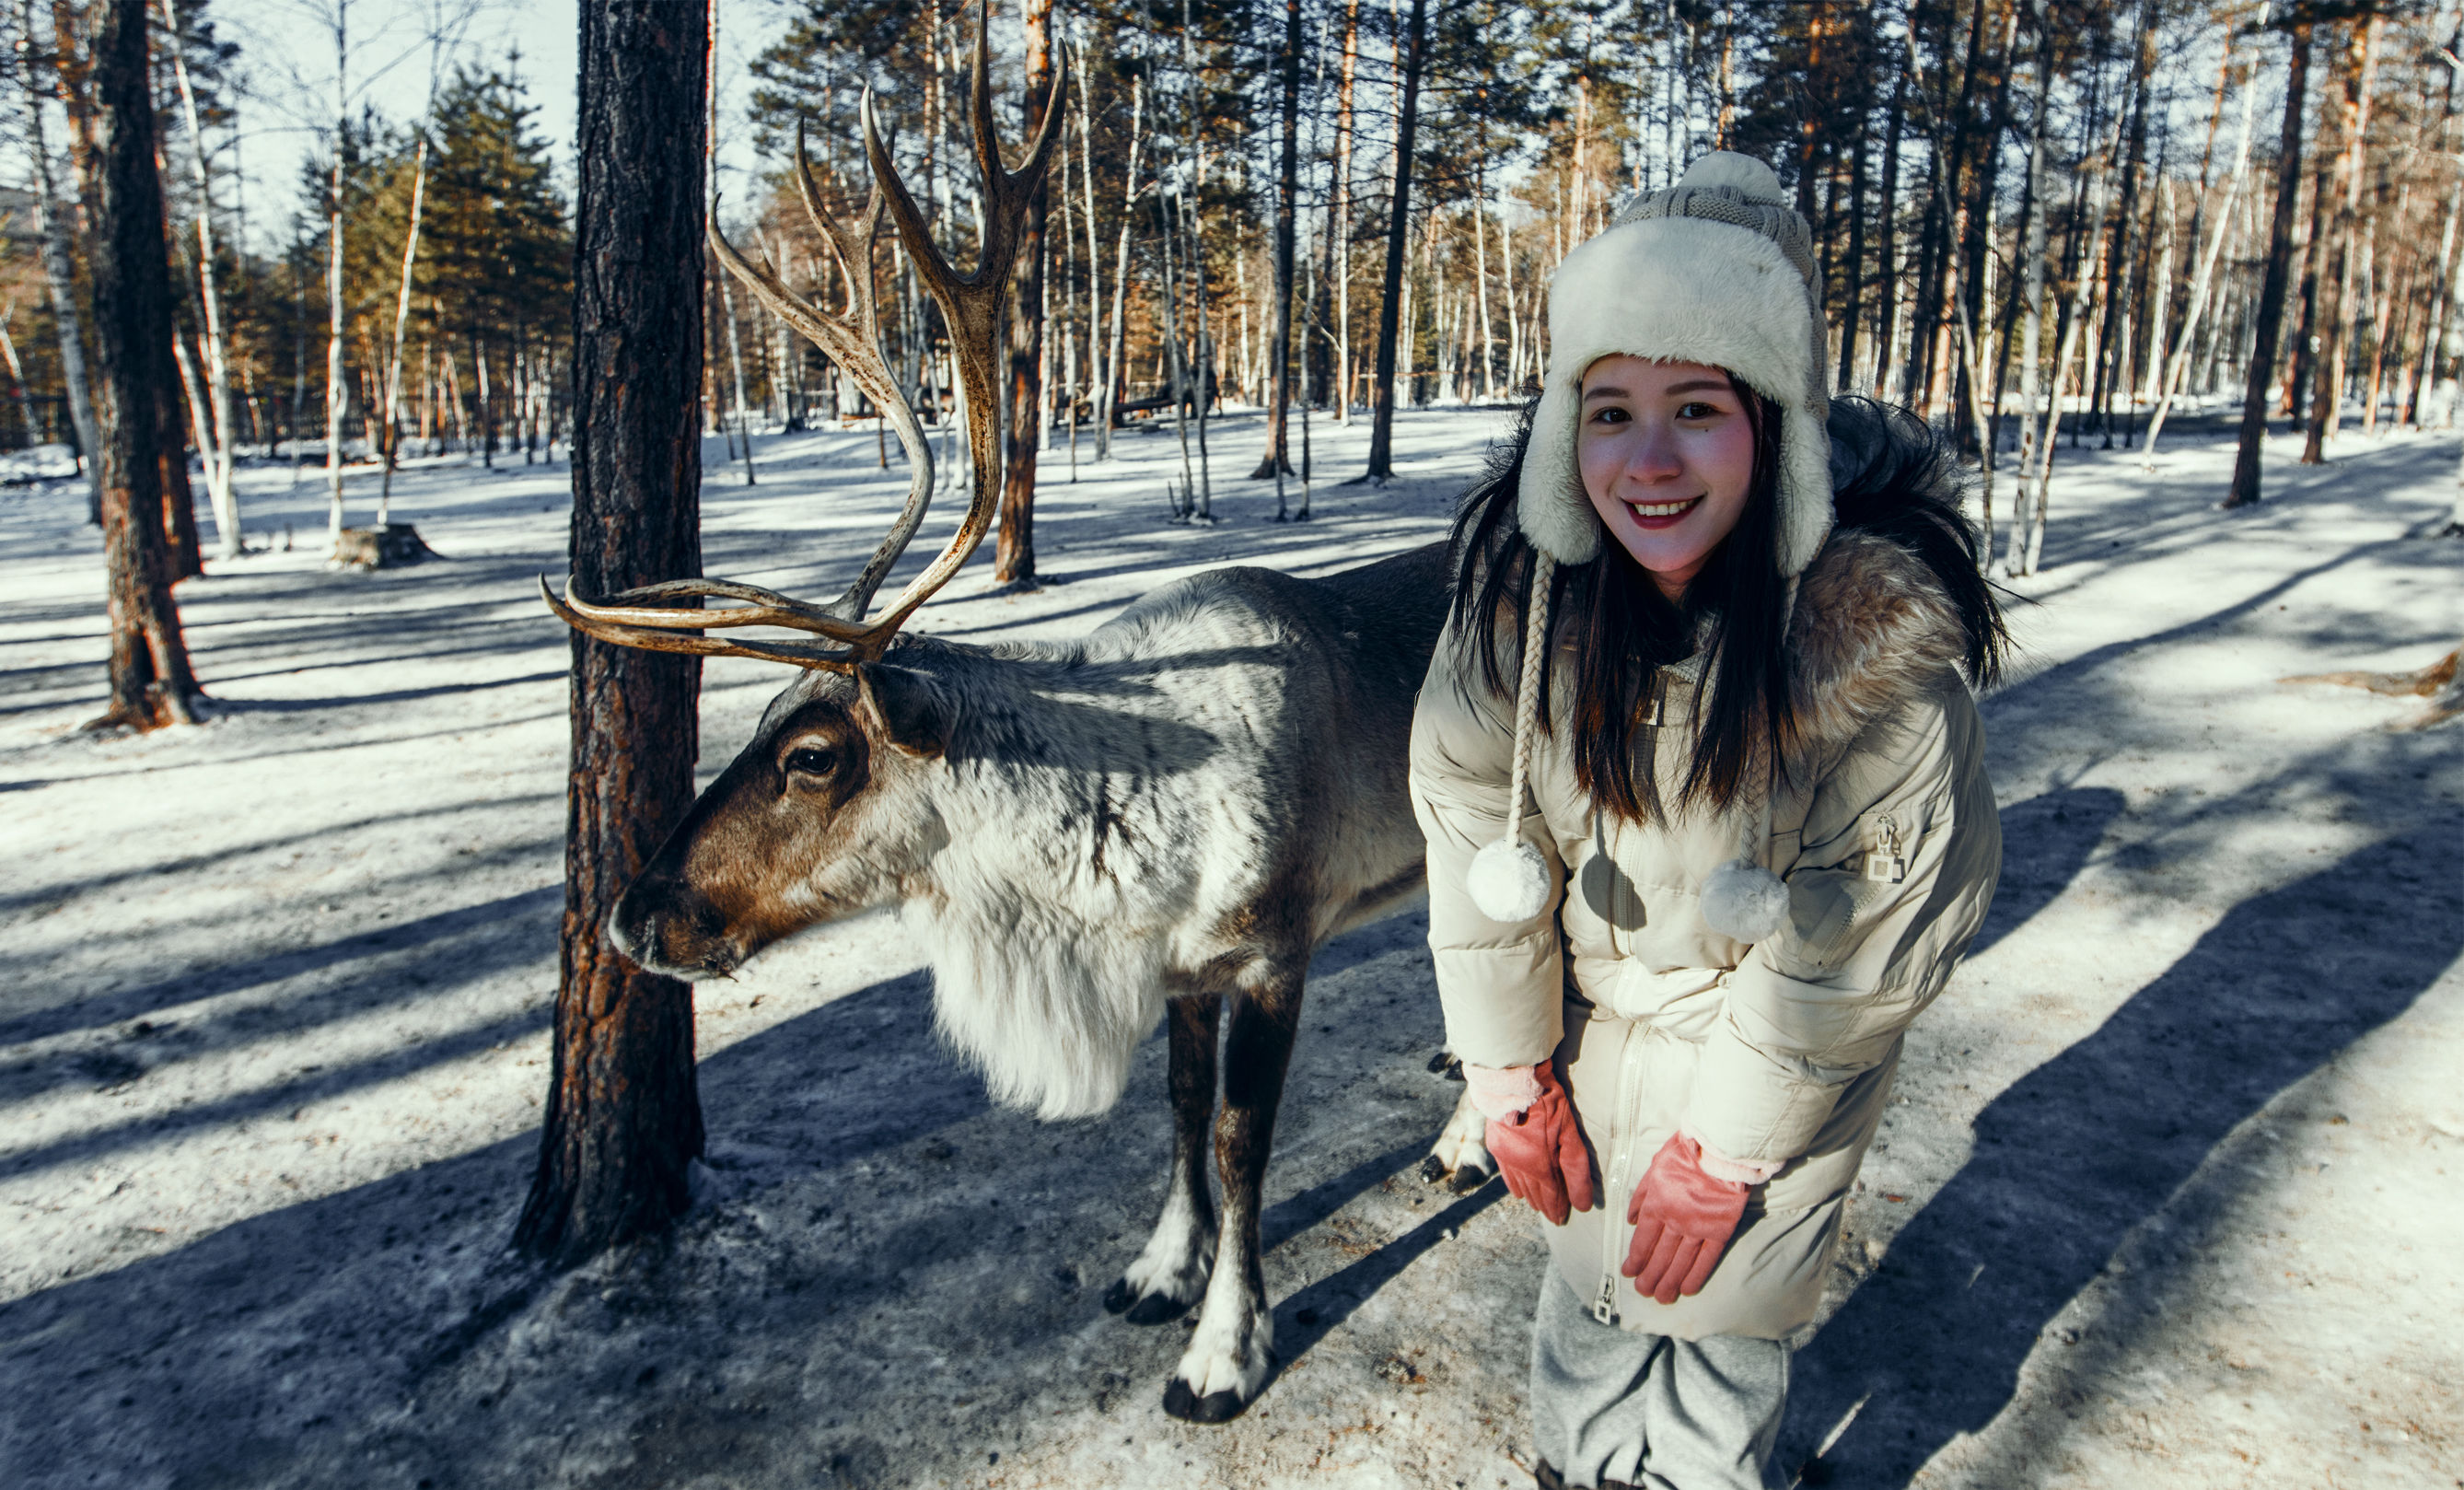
column 1115, row 365
column 2028, row 526
column 1887, row 309
column 214, row 420
column 726, row 291
column 624, row 1119
column 1276, row 463
column 1014, row 533
column 1339, row 246
column 334, row 293
column 151, row 682
column 1480, row 280
column 2442, row 293
column 2327, row 400
column 735, row 367
column 60, row 278
column 2271, row 295
column 400, row 319
column 1381, row 392
column 17, row 378
column 1192, row 219
column 1854, row 310
column 1099, row 369
column 2202, row 280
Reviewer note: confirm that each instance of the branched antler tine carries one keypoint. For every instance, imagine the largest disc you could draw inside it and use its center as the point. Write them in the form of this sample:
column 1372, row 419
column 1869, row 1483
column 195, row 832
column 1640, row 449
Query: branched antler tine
column 970, row 303
column 853, row 347
column 763, row 608
column 1020, row 185
column 931, row 266
column 769, row 608
column 802, row 654
column 854, row 248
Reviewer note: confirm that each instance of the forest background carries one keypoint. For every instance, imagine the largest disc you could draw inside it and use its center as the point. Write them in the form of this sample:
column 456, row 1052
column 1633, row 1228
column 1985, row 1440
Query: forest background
column 2025, row 211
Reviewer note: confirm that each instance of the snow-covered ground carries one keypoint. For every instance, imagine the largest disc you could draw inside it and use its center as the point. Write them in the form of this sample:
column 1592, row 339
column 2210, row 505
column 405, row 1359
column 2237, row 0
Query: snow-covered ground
column 2164, row 1199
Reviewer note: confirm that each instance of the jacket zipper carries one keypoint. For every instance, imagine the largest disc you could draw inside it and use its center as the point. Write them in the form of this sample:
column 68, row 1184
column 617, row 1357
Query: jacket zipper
column 1618, row 1179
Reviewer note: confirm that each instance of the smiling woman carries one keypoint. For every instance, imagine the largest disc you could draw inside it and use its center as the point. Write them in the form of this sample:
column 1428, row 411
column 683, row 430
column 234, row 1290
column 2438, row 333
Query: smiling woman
column 1713, row 833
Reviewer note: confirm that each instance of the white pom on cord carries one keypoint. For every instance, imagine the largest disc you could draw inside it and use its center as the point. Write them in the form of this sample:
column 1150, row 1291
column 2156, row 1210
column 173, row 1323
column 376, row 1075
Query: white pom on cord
column 1742, row 900
column 1740, row 172
column 1508, row 882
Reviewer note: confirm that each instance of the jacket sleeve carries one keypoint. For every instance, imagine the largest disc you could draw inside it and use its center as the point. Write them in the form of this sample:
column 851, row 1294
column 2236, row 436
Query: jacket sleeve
column 1862, row 952
column 1498, row 983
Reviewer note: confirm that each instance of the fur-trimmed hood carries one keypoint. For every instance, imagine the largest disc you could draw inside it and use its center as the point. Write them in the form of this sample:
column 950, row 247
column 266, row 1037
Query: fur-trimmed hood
column 1873, row 629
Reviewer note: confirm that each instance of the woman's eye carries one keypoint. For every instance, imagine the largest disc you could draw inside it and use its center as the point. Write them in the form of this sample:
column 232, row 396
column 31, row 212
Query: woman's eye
column 1697, row 410
column 808, row 761
column 1611, row 415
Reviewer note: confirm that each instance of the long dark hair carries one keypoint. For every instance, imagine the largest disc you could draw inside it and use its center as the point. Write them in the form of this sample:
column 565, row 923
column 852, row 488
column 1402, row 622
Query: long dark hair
column 1892, row 476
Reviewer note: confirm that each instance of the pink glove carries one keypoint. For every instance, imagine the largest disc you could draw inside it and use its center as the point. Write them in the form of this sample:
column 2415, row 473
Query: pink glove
column 1540, row 1153
column 1682, row 1219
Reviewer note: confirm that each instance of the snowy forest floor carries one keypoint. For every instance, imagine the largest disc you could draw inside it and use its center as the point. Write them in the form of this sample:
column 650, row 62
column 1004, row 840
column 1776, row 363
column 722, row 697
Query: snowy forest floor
column 2164, row 1199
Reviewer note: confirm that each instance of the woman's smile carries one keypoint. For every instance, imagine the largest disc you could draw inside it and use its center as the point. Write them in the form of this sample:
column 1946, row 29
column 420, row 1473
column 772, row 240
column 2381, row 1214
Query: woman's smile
column 1655, row 516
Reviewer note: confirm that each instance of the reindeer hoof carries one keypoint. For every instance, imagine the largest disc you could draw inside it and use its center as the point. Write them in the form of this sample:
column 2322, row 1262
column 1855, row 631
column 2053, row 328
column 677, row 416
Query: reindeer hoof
column 1469, row 1179
column 1216, row 1407
column 1433, row 1170
column 1139, row 1307
column 1444, row 1063
column 1155, row 1308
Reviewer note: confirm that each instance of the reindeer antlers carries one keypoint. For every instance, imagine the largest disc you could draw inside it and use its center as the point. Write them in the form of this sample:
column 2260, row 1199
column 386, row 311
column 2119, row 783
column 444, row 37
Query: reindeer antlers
column 972, row 306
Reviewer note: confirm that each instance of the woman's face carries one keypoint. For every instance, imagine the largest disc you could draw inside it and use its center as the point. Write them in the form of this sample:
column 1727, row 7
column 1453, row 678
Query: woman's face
column 1667, row 456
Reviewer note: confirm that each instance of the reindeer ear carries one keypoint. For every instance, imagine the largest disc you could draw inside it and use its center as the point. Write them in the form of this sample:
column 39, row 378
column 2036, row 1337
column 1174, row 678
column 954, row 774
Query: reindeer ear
column 903, row 708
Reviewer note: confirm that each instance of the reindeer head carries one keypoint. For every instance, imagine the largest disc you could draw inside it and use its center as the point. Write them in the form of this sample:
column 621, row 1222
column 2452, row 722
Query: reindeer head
column 827, row 811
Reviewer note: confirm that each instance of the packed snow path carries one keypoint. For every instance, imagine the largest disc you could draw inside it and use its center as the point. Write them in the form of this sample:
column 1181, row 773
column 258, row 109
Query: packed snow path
column 2163, row 1201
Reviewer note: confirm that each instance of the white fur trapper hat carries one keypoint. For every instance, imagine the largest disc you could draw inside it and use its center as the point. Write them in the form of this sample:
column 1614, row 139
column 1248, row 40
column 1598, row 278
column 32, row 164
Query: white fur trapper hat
column 1716, row 270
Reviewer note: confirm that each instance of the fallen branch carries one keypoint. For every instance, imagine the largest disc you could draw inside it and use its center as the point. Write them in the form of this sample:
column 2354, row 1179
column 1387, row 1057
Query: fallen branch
column 2440, row 682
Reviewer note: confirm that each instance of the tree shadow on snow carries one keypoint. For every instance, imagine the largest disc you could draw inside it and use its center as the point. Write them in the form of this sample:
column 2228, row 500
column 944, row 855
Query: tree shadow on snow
column 881, row 1274
column 2090, row 1144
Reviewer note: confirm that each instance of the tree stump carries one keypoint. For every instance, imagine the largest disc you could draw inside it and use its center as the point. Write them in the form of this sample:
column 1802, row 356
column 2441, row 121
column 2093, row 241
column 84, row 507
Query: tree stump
column 393, row 546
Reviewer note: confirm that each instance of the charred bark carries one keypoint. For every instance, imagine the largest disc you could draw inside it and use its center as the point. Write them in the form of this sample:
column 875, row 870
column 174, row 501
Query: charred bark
column 137, row 379
column 623, row 1119
column 2271, row 294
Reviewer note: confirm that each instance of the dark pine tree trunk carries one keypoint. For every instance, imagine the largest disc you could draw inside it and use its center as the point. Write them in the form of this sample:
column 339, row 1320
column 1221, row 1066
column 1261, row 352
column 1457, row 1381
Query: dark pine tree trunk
column 623, row 1117
column 1277, row 462
column 1853, row 310
column 1014, row 537
column 1886, row 266
column 151, row 682
column 1381, row 393
column 2271, row 291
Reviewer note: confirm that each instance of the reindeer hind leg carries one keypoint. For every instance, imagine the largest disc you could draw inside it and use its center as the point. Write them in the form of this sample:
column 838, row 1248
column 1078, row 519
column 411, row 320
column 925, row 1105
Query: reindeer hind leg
column 1172, row 1272
column 1232, row 1352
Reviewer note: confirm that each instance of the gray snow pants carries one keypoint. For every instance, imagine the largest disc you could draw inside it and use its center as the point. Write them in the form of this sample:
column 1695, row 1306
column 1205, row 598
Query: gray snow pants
column 1609, row 1405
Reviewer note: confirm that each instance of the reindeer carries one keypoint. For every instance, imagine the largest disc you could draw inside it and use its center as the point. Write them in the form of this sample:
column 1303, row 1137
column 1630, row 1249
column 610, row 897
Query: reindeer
column 1169, row 814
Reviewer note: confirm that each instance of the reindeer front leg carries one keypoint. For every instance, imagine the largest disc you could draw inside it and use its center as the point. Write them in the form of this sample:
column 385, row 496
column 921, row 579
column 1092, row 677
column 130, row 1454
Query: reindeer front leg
column 1171, row 1273
column 1229, row 1358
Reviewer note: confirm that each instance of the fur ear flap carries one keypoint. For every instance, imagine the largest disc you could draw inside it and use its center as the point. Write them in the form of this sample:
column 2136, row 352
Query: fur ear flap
column 904, row 709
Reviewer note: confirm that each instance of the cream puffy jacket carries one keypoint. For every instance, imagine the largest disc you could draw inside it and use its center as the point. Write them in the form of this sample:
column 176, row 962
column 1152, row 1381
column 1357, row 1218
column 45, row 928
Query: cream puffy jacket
column 1886, row 834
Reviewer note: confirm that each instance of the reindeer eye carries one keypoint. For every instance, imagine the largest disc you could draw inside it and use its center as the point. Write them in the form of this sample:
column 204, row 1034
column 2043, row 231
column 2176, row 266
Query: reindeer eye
column 809, row 761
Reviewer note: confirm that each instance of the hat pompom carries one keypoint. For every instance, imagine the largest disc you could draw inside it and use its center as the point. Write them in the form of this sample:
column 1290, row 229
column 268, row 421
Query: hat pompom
column 1508, row 882
column 1737, row 173
column 1742, row 900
